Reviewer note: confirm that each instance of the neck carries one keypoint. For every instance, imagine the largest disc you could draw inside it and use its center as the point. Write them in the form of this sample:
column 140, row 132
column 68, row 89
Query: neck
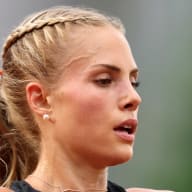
column 60, row 171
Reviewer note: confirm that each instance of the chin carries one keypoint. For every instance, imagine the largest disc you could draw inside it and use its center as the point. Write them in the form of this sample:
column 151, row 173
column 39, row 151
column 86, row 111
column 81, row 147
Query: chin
column 111, row 157
column 120, row 158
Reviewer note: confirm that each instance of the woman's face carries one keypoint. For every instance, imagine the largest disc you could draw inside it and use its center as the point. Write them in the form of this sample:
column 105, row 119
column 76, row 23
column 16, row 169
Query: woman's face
column 95, row 103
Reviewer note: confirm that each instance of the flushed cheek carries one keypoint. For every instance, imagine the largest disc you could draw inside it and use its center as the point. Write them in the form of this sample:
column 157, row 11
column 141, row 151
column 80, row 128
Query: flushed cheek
column 90, row 106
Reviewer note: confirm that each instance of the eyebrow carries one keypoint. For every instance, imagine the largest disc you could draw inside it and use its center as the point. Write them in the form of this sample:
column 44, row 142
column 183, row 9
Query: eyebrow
column 115, row 68
column 111, row 67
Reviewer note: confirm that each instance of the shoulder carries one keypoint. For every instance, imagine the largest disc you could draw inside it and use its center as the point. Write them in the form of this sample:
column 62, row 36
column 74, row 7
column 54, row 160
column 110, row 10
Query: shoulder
column 3, row 189
column 145, row 190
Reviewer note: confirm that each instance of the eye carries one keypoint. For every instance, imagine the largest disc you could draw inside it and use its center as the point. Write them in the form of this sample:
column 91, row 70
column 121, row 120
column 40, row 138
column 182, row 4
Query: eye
column 104, row 80
column 135, row 84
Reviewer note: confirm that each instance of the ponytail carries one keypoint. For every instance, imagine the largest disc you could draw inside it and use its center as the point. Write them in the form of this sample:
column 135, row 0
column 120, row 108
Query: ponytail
column 17, row 158
column 7, row 146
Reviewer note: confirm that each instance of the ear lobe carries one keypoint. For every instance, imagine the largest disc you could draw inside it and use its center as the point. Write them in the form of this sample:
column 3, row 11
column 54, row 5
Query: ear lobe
column 36, row 98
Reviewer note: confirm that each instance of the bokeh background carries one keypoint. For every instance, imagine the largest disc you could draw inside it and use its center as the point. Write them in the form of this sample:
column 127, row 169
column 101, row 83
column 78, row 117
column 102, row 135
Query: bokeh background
column 160, row 34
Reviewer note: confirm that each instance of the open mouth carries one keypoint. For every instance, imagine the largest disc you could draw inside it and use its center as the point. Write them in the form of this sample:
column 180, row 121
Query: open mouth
column 129, row 130
column 129, row 126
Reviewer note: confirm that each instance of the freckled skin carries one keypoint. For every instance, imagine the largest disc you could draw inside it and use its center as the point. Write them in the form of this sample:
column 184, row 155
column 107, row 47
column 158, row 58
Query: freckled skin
column 86, row 113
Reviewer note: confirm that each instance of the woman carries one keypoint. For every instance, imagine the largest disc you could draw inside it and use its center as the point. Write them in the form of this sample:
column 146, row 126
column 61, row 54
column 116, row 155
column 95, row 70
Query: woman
column 68, row 102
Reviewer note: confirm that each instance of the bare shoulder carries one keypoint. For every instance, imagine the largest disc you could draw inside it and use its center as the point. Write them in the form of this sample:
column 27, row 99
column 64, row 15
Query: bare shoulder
column 3, row 189
column 145, row 190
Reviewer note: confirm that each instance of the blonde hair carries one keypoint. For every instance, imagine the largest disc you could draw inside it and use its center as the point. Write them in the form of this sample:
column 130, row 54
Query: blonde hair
column 31, row 53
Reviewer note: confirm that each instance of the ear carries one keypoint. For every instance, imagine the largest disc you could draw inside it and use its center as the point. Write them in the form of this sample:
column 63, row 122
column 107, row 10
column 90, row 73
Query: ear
column 36, row 97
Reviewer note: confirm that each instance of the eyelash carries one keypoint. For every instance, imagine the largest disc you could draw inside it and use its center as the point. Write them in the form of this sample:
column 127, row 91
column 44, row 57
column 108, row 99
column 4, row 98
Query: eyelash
column 105, row 82
column 135, row 84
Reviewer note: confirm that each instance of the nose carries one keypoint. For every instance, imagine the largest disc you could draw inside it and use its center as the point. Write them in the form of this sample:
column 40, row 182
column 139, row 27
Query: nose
column 130, row 99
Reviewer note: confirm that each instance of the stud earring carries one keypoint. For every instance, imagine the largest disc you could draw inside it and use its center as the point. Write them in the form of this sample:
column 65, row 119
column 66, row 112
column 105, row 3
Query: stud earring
column 46, row 116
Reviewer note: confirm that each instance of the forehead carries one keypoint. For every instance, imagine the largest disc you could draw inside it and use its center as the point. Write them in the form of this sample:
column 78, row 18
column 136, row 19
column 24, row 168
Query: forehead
column 98, row 45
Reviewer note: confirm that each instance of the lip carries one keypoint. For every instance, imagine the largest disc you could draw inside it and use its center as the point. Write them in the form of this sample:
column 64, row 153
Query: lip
column 125, row 135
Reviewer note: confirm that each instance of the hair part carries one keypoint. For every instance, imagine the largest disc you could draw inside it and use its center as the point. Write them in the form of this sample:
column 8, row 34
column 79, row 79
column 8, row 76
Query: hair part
column 31, row 53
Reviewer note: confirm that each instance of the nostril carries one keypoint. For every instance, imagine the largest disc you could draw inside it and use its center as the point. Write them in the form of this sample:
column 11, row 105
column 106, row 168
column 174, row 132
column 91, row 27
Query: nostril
column 128, row 105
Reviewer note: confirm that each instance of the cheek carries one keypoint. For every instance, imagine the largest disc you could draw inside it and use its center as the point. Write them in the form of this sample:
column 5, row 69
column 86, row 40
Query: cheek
column 85, row 106
column 90, row 105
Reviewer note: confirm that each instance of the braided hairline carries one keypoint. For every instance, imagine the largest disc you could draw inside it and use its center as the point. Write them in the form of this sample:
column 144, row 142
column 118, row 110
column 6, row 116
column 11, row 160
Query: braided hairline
column 39, row 24
column 22, row 30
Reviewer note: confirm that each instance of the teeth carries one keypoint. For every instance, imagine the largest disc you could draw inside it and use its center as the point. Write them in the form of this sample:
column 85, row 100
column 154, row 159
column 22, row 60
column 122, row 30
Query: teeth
column 127, row 127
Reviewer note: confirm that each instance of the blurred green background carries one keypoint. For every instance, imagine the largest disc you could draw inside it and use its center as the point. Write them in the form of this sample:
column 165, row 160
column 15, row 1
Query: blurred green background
column 160, row 34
